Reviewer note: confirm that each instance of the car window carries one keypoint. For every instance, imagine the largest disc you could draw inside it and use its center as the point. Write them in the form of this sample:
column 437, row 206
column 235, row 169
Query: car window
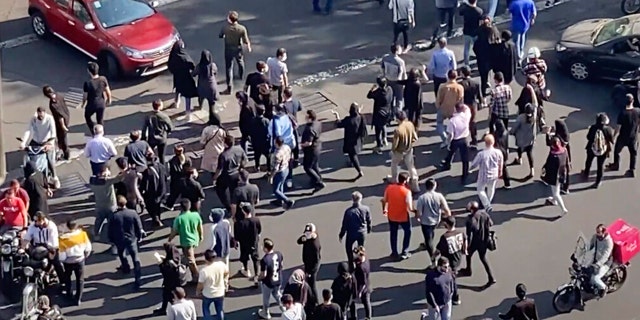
column 611, row 30
column 112, row 13
column 81, row 12
column 63, row 3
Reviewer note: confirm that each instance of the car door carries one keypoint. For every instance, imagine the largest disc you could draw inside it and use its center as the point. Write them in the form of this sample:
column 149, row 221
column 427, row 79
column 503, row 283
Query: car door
column 84, row 33
column 57, row 16
column 619, row 59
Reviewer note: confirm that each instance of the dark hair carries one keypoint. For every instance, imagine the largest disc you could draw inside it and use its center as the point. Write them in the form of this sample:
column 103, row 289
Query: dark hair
column 465, row 71
column 460, row 106
column 381, row 81
column 402, row 116
column 312, row 115
column 209, row 255
column 562, row 131
column 156, row 104
column 286, row 299
column 394, row 48
column 48, row 90
column 353, row 109
column 243, row 97
column 288, row 92
column 281, row 52
column 40, row 109
column 185, row 205
column 268, row 244
column 414, row 75
column 93, row 68
column 326, row 294
column 121, row 201
column 505, row 35
column 430, row 184
column 629, row 98
column 601, row 227
column 134, row 135
column 452, row 75
column 601, row 119
column 261, row 65
column 260, row 110
column 449, row 221
column 228, row 141
column 499, row 76
column 442, row 261
column 14, row 183
column 72, row 225
column 279, row 141
column 179, row 293
column 122, row 163
column 403, row 177
column 233, row 16
column 472, row 1
column 40, row 215
column 521, row 290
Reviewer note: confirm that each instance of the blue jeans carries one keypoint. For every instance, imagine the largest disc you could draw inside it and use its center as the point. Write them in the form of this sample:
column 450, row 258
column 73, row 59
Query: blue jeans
column 278, row 185
column 267, row 293
column 519, row 39
column 217, row 304
column 441, row 129
column 468, row 43
column 493, row 6
column 131, row 249
column 393, row 236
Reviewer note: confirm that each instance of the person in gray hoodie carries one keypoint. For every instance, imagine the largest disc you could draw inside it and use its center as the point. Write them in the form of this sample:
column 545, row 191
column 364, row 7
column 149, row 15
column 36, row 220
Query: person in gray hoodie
column 105, row 198
column 602, row 244
column 525, row 132
column 220, row 233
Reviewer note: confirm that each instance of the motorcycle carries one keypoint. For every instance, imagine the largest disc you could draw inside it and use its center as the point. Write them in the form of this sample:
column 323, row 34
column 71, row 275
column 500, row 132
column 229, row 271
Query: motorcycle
column 37, row 153
column 630, row 6
column 574, row 292
column 628, row 84
column 10, row 244
column 36, row 279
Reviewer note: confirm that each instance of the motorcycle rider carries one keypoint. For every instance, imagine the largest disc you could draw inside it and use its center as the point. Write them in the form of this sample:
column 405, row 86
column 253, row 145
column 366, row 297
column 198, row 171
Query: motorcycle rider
column 44, row 232
column 602, row 245
column 42, row 128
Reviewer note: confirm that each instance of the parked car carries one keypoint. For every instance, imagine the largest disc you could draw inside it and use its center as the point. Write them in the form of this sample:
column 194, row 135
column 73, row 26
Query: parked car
column 600, row 48
column 125, row 37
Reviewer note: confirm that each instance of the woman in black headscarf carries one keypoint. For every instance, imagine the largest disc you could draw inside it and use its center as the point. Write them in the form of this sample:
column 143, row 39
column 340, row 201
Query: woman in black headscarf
column 531, row 94
column 561, row 131
column 247, row 116
column 343, row 287
column 37, row 188
column 413, row 95
column 501, row 136
column 181, row 65
column 382, row 96
column 171, row 275
column 506, row 57
column 355, row 130
column 206, row 70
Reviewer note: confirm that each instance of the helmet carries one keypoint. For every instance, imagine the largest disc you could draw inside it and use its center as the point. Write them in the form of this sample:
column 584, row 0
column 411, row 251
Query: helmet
column 533, row 53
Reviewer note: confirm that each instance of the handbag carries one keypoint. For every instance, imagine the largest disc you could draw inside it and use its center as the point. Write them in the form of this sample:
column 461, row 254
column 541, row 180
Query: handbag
column 402, row 23
column 491, row 241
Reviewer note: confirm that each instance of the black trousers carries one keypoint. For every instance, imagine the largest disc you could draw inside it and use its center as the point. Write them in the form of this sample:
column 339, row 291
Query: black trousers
column 159, row 147
column 484, row 66
column 398, row 29
column 89, row 112
column 312, row 277
column 348, row 245
column 462, row 146
column 436, row 84
column 414, row 115
column 381, row 134
column 632, row 145
column 167, row 297
column 63, row 142
column 365, row 298
column 492, row 123
column 505, row 174
column 482, row 253
column 599, row 164
column 277, row 90
column 77, row 269
column 447, row 17
column 225, row 185
column 257, row 154
column 174, row 192
column 529, row 151
column 428, row 232
column 473, row 127
column 311, row 167
column 249, row 252
column 355, row 161
column 231, row 56
column 153, row 207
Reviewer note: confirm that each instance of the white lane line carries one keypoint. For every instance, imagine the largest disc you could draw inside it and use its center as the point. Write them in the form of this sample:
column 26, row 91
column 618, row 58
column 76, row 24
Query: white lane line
column 19, row 41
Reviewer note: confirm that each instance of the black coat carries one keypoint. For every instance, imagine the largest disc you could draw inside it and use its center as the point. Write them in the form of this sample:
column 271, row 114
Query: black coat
column 556, row 168
column 303, row 294
column 382, row 99
column 505, row 60
column 36, row 186
column 181, row 66
column 355, row 130
column 526, row 96
column 488, row 37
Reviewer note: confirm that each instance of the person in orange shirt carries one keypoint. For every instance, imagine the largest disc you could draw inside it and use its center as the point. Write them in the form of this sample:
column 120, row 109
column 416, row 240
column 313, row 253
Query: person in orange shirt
column 397, row 205
column 13, row 212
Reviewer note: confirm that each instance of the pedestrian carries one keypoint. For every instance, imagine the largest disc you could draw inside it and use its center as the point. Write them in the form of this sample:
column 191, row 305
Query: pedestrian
column 292, row 310
column 449, row 95
column 227, row 175
column 531, row 94
column 280, row 164
column 446, row 14
column 506, row 59
column 270, row 276
column 301, row 292
column 246, row 193
column 472, row 97
column 382, row 96
column 499, row 105
column 188, row 227
column 96, row 97
column 260, row 141
column 207, row 86
column 394, row 69
column 501, row 136
column 247, row 229
column 156, row 127
column 478, row 228
column 178, row 165
column 484, row 48
column 191, row 189
column 181, row 66
column 452, row 245
column 37, row 188
column 181, row 308
column 43, row 232
column 555, row 172
column 343, row 287
column 154, row 188
column 61, row 117
column 105, row 200
column 537, row 67
column 278, row 73
column 255, row 80
column 212, row 141
column 291, row 107
column 490, row 163
column 626, row 136
column 362, row 284
column 458, row 134
column 13, row 212
column 403, row 12
column 430, row 208
column 125, row 231
column 312, row 148
column 99, row 150
column 442, row 62
column 212, row 285
column 524, row 308
column 284, row 126
column 356, row 223
column 440, row 285
column 20, row 192
column 599, row 141
column 412, row 94
column 220, row 236
column 235, row 36
column 523, row 15
column 173, row 274
column 404, row 138
column 397, row 205
column 355, row 130
column 75, row 248
column 471, row 15
column 267, row 99
column 311, row 257
column 45, row 309
column 137, row 150
column 328, row 310
column 245, row 120
column 41, row 133
column 525, row 132
column 561, row 131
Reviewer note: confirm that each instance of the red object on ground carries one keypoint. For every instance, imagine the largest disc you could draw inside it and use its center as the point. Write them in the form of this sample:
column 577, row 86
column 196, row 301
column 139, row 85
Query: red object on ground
column 626, row 241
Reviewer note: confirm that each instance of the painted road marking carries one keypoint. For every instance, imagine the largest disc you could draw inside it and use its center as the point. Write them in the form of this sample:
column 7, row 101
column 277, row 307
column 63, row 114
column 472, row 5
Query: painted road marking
column 19, row 41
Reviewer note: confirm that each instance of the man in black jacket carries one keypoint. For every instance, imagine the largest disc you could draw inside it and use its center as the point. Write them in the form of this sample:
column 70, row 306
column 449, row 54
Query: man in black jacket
column 155, row 129
column 311, row 255
column 356, row 222
column 154, row 188
column 227, row 175
column 478, row 226
column 245, row 193
column 125, row 230
column 472, row 98
column 192, row 189
column 525, row 308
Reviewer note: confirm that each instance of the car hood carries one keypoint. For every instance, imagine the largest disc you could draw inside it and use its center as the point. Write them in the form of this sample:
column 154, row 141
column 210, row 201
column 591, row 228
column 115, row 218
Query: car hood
column 146, row 34
column 580, row 33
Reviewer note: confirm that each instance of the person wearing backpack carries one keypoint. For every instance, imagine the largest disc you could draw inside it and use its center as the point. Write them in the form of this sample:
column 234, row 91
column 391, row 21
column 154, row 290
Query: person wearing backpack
column 155, row 129
column 599, row 142
column 174, row 275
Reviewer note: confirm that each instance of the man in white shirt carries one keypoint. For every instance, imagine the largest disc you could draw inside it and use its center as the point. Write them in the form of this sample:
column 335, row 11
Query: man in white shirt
column 211, row 285
column 44, row 232
column 99, row 150
column 181, row 308
column 278, row 72
column 292, row 310
column 458, row 134
column 42, row 132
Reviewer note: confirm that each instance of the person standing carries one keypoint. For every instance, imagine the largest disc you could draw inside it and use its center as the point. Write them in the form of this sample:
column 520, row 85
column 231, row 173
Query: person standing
column 173, row 275
column 105, row 199
column 499, row 106
column 61, row 117
column 125, row 231
column 525, row 132
column 449, row 95
column 524, row 308
column 41, row 132
column 311, row 148
column 99, row 150
column 235, row 36
column 181, row 66
column 96, row 97
column 343, row 287
column 255, row 80
column 328, row 310
column 355, row 130
column 394, row 69
column 490, row 162
column 260, row 141
column 523, row 15
column 447, row 13
column 484, row 48
column 207, row 86
column 599, row 141
column 75, row 247
column 362, row 284
column 472, row 97
column 397, row 204
column 442, row 62
column 403, row 12
column 154, row 188
column 245, row 120
column 137, row 150
column 270, row 276
column 246, row 193
column 311, row 255
column 212, row 285
column 212, row 141
column 478, row 228
column 430, row 208
column 178, row 166
column 412, row 95
column 627, row 136
column 506, row 58
column 440, row 285
column 13, row 212
column 37, row 188
column 556, row 172
column 181, row 308
column 458, row 133
column 227, row 176
column 247, row 229
column 278, row 73
column 452, row 245
column 188, row 226
column 155, row 129
column 298, row 288
column 382, row 96
column 404, row 138
column 356, row 223
column 471, row 15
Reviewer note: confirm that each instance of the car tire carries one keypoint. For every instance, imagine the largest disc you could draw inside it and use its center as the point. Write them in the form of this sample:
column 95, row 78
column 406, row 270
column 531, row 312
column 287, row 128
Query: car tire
column 39, row 25
column 629, row 7
column 109, row 66
column 578, row 70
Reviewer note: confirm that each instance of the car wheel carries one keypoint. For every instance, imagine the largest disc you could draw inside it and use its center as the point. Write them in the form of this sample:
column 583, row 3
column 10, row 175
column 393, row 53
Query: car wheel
column 579, row 71
column 39, row 25
column 630, row 6
column 109, row 66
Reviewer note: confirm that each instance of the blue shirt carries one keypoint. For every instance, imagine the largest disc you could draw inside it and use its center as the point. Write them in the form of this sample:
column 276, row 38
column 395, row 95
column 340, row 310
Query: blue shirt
column 357, row 219
column 522, row 12
column 442, row 61
column 283, row 128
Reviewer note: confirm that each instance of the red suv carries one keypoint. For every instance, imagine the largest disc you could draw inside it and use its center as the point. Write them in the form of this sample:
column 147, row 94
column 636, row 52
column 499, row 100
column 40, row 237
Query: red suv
column 126, row 37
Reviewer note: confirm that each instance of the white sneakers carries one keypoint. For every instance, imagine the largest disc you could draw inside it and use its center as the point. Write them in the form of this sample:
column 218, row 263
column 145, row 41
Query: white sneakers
column 264, row 314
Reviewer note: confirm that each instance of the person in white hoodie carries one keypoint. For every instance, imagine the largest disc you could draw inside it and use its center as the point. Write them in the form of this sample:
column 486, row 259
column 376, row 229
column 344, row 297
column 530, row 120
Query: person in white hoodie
column 292, row 311
column 41, row 128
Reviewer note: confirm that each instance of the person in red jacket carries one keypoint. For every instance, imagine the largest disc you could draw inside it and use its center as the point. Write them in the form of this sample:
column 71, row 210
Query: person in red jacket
column 13, row 212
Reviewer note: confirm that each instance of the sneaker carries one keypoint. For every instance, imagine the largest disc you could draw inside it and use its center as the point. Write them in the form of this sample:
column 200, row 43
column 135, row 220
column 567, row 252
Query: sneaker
column 405, row 255
column 264, row 314
column 516, row 162
column 457, row 302
column 245, row 273
column 630, row 174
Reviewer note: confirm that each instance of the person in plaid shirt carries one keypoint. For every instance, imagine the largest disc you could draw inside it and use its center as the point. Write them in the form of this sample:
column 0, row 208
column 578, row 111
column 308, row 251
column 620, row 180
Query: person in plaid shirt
column 280, row 162
column 500, row 97
column 537, row 68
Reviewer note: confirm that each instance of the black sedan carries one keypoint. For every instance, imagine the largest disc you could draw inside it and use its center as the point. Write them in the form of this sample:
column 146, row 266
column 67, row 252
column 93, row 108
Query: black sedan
column 600, row 48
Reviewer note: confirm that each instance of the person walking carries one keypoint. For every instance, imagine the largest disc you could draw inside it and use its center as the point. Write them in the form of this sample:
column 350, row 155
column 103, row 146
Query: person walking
column 356, row 223
column 301, row 292
column 439, row 285
column 247, row 229
column 626, row 134
column 260, row 140
column 449, row 95
column 430, row 208
column 447, row 15
column 154, row 188
column 599, row 141
column 255, row 80
column 280, row 164
column 531, row 94
column 181, row 308
column 181, row 66
column 96, row 96
column 328, row 6
column 404, row 138
column 412, row 95
column 524, row 308
column 311, row 257
column 490, row 163
column 227, row 176
column 212, row 285
column 74, row 248
column 403, row 12
column 472, row 97
column 191, row 189
column 452, row 245
column 137, row 150
column 105, row 200
column 506, row 59
column 173, row 273
column 355, row 130
column 442, row 62
column 484, row 48
column 178, row 166
column 312, row 148
column 219, row 239
column 458, row 134
column 343, row 287
column 157, row 126
column 61, row 117
column 125, row 231
column 235, row 36
column 561, row 131
column 188, row 227
column 245, row 120
column 245, row 194
column 41, row 132
column 523, row 16
column 397, row 205
column 501, row 136
column 478, row 228
column 536, row 67
column 525, row 132
column 499, row 105
column 362, row 283
column 382, row 96
column 206, row 70
column 284, row 125
column 556, row 172
column 471, row 15
column 212, row 141
column 394, row 69
column 99, row 150
column 328, row 310
column 278, row 73
column 270, row 276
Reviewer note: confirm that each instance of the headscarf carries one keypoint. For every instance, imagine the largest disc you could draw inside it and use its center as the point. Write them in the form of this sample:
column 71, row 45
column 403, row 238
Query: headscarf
column 557, row 148
column 205, row 69
column 297, row 277
column 217, row 214
column 562, row 131
column 178, row 57
column 353, row 110
column 343, row 270
column 29, row 169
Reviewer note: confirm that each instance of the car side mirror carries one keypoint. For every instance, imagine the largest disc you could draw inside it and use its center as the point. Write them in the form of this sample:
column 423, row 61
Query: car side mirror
column 90, row 26
column 154, row 4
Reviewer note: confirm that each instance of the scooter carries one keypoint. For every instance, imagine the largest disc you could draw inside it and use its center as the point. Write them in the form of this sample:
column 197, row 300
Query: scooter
column 630, row 6
column 37, row 153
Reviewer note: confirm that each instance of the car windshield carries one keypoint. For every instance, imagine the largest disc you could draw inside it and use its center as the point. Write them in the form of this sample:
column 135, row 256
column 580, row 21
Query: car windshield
column 112, row 13
column 611, row 30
